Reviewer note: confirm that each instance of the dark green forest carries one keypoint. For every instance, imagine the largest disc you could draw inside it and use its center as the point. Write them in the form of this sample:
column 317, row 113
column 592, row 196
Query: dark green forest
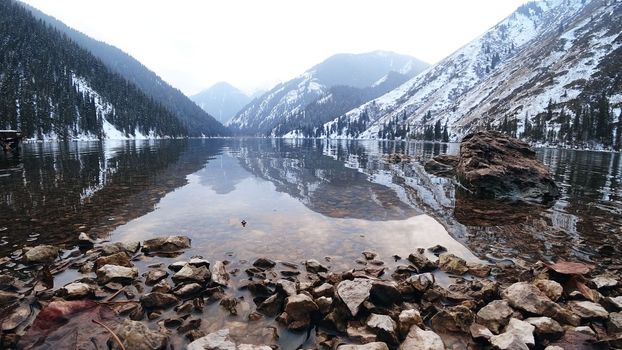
column 38, row 94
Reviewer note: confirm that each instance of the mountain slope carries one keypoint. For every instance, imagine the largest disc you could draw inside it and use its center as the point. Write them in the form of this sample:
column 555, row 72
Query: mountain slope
column 222, row 100
column 549, row 49
column 51, row 87
column 284, row 102
column 197, row 121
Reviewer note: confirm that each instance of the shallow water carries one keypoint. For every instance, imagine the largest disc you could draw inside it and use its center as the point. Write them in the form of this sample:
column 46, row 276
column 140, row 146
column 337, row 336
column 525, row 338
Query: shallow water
column 301, row 199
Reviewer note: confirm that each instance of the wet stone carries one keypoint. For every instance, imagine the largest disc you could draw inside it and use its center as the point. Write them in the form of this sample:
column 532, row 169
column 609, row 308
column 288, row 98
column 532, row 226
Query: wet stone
column 314, row 266
column 178, row 265
column 119, row 259
column 299, row 309
column 136, row 335
column 168, row 244
column 189, row 324
column 198, row 262
column 437, row 249
column 114, row 273
column 325, row 290
column 421, row 262
column 129, row 247
column 162, row 287
column 479, row 270
column 230, row 304
column 369, row 255
column 219, row 273
column 190, row 273
column 77, row 290
column 455, row 319
column 452, row 264
column 187, row 290
column 154, row 276
column 324, row 304
column 155, row 300
column 264, row 263
column 421, row 282
column 41, row 254
column 368, row 346
column 271, row 306
column 286, row 287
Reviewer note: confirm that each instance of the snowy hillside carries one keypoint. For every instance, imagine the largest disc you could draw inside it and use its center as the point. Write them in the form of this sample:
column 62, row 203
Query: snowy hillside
column 545, row 50
column 265, row 113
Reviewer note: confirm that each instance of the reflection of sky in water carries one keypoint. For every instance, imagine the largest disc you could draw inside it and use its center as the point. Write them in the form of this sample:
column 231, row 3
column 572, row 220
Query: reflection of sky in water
column 211, row 206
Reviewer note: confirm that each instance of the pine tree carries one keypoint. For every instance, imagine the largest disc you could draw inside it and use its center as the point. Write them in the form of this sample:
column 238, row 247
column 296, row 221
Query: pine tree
column 437, row 130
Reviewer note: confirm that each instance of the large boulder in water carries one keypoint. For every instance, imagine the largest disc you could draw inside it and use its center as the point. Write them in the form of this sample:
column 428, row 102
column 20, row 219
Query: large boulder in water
column 495, row 165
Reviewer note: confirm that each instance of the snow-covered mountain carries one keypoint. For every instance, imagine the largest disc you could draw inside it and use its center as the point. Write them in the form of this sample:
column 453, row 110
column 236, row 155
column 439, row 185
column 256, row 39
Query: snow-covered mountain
column 222, row 101
column 282, row 104
column 548, row 51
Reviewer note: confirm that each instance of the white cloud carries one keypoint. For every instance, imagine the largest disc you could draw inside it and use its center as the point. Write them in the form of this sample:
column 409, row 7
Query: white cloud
column 193, row 44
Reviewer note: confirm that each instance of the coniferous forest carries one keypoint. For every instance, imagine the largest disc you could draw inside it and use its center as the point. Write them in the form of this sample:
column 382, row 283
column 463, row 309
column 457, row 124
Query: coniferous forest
column 38, row 92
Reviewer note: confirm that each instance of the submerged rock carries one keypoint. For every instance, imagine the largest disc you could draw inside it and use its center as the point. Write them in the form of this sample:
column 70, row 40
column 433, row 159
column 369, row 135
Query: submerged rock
column 137, row 336
column 299, row 309
column 219, row 273
column 495, row 165
column 264, row 263
column 168, row 244
column 190, row 273
column 314, row 266
column 157, row 300
column 129, row 247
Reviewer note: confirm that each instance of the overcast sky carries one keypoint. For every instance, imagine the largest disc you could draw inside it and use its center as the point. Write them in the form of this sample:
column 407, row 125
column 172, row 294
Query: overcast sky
column 252, row 44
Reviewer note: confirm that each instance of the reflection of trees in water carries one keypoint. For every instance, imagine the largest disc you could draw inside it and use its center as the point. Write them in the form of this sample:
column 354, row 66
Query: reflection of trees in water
column 75, row 188
column 324, row 184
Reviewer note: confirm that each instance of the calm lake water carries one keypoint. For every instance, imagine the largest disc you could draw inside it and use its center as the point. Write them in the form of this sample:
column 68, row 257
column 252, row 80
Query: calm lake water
column 301, row 199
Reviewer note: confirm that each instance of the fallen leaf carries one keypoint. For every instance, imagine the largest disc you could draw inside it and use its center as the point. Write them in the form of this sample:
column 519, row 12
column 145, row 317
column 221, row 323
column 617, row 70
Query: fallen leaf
column 68, row 325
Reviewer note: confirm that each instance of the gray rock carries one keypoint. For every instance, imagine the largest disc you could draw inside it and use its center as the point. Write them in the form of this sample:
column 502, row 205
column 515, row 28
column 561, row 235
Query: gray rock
column 154, row 276
column 616, row 302
column 553, row 347
column 286, row 287
column 77, row 290
column 521, row 329
column 385, row 293
column 614, row 324
column 271, row 306
column 588, row 309
column 508, row 341
column 527, row 297
column 299, row 309
column 168, row 244
column 187, row 290
column 156, row 300
column 452, row 264
column 129, row 247
column 177, row 265
column 119, row 259
column 603, row 282
column 84, row 240
column 137, row 336
column 354, row 293
column 479, row 331
column 198, row 262
column 479, row 270
column 418, row 339
column 454, row 318
column 421, row 282
column 369, row 255
column 551, row 289
column 41, row 254
column 190, row 273
column 325, row 290
column 421, row 262
column 314, row 266
column 368, row 346
column 114, row 273
column 407, row 319
column 221, row 341
column 219, row 273
column 360, row 333
column 495, row 315
column 546, row 327
column 384, row 327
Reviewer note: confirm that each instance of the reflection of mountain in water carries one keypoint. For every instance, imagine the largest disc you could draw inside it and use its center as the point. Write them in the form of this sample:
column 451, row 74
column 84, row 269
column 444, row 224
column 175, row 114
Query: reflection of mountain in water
column 59, row 190
column 222, row 174
column 584, row 224
column 322, row 183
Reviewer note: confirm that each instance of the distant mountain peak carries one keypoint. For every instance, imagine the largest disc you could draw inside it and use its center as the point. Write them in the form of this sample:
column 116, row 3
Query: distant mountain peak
column 222, row 100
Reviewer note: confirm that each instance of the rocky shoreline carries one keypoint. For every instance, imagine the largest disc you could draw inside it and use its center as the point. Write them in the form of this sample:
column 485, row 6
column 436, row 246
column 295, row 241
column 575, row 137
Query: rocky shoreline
column 114, row 304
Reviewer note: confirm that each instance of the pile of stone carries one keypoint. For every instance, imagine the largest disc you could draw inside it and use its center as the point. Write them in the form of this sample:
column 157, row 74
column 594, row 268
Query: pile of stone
column 369, row 307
